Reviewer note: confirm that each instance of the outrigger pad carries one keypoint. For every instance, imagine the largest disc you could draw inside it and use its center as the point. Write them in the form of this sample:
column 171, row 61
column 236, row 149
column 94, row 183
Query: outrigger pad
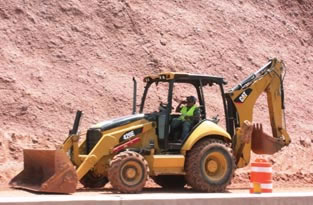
column 246, row 131
column 263, row 143
column 46, row 171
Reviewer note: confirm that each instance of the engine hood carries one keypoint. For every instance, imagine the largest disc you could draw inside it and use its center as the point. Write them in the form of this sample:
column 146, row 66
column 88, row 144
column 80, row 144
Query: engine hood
column 109, row 124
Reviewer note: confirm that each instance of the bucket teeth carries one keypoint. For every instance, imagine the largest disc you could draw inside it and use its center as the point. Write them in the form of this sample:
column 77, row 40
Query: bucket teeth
column 263, row 143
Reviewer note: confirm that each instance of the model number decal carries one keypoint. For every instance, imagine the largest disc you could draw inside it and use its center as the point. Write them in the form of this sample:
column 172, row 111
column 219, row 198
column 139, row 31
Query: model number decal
column 243, row 96
column 129, row 134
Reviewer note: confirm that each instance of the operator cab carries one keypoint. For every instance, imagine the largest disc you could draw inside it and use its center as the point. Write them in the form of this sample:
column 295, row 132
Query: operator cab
column 164, row 88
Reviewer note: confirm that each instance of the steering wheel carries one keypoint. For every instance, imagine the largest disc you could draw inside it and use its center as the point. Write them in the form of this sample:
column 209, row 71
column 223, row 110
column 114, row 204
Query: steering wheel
column 163, row 106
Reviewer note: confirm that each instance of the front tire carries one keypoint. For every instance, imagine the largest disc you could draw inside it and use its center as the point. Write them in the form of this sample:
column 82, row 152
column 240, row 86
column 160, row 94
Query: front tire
column 128, row 172
column 209, row 166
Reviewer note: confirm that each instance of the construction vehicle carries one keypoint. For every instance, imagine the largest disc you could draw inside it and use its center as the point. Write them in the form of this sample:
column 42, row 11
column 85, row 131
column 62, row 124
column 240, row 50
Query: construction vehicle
column 125, row 151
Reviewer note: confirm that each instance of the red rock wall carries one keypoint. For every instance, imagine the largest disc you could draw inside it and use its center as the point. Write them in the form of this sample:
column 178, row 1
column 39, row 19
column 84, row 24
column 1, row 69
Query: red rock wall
column 59, row 56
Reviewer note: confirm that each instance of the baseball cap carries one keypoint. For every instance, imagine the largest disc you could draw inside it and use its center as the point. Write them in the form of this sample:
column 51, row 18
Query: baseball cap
column 191, row 99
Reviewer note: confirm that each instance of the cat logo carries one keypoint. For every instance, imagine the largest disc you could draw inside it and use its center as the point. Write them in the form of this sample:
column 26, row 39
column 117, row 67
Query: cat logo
column 243, row 96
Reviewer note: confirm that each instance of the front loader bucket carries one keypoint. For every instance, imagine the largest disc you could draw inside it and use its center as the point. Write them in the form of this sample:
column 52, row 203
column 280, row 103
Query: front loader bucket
column 263, row 143
column 46, row 171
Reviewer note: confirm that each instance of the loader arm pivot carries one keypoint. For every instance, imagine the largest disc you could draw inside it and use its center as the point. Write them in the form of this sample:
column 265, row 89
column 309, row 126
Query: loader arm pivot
column 241, row 100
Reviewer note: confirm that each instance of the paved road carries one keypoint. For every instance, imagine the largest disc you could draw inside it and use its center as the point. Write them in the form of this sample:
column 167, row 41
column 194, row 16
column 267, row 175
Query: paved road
column 156, row 196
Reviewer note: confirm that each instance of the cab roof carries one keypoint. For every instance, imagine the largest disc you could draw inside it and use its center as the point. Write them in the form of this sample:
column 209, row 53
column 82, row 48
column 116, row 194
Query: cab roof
column 185, row 78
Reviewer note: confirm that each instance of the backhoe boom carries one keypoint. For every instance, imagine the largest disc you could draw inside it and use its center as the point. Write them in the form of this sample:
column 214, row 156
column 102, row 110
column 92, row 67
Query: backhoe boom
column 241, row 100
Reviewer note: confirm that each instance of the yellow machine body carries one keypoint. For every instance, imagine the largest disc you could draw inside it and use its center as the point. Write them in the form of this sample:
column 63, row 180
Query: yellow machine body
column 140, row 143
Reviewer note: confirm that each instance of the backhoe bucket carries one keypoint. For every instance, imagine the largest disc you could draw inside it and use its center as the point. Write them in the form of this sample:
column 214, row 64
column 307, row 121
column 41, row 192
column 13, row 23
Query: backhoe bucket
column 263, row 143
column 46, row 171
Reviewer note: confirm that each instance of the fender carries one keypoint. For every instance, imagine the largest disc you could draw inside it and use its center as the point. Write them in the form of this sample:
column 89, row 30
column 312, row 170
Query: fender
column 206, row 128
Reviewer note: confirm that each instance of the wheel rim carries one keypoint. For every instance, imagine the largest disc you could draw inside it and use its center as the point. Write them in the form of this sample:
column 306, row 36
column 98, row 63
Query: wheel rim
column 131, row 173
column 214, row 166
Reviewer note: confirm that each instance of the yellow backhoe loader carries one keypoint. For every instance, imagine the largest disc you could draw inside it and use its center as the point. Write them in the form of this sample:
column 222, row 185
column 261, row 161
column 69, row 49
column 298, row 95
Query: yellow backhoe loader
column 126, row 150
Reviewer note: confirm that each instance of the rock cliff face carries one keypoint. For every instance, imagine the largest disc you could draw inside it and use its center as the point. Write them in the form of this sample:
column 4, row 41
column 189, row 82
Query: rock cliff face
column 60, row 56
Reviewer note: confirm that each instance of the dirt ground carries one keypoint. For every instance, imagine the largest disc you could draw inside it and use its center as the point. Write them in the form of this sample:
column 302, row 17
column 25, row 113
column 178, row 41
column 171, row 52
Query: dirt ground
column 60, row 56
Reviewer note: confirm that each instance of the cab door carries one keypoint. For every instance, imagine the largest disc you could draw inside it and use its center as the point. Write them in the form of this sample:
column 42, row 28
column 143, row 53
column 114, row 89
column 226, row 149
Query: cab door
column 164, row 119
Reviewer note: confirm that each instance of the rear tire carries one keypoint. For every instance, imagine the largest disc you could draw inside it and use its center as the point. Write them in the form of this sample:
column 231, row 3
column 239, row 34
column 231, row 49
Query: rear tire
column 170, row 181
column 128, row 172
column 90, row 180
column 209, row 166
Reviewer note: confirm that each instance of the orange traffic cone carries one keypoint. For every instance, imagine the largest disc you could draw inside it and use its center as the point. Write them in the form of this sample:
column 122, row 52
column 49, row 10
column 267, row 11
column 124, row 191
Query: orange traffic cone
column 261, row 177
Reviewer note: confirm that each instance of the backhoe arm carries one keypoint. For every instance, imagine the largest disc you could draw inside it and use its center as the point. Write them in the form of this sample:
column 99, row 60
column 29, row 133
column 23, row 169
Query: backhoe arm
column 241, row 100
